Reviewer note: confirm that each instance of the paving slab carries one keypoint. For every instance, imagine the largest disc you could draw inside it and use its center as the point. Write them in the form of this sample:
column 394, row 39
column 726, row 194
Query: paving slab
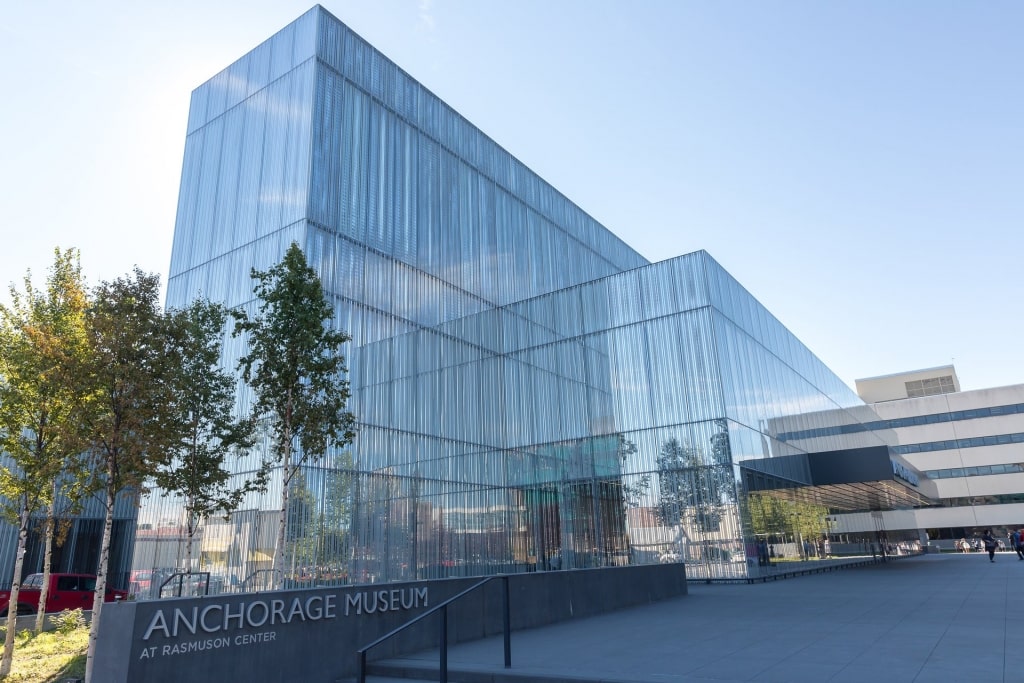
column 952, row 617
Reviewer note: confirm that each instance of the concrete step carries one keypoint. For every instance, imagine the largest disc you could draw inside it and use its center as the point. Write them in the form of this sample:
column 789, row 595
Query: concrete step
column 389, row 671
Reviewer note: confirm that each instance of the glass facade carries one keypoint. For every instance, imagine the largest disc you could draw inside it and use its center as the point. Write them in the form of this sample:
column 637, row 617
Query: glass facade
column 532, row 394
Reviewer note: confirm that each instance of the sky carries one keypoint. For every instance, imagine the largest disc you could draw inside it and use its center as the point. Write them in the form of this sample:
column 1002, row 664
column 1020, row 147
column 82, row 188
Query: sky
column 857, row 166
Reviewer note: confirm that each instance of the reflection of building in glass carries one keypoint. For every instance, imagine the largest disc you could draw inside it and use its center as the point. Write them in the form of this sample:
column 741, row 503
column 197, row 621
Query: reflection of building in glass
column 532, row 393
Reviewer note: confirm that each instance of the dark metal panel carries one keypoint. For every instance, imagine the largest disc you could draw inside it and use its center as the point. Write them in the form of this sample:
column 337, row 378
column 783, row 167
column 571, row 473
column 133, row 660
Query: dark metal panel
column 850, row 465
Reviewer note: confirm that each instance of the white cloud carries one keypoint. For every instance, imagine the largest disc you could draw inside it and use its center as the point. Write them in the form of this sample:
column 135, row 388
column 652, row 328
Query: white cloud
column 426, row 16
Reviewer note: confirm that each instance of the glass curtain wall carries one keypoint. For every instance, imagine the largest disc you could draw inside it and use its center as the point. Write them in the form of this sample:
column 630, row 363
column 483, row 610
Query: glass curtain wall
column 618, row 413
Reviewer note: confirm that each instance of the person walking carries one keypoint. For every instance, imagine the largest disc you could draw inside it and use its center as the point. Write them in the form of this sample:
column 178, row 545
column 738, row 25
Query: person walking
column 990, row 544
column 1018, row 543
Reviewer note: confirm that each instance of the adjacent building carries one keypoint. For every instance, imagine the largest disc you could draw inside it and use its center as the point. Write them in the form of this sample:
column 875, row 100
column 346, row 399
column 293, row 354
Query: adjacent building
column 970, row 444
column 532, row 393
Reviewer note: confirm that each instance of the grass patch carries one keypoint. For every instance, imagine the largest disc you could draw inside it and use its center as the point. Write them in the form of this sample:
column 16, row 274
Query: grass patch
column 48, row 657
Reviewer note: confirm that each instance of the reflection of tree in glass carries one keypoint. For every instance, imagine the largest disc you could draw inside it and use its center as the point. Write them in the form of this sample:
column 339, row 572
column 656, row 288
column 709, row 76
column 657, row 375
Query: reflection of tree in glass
column 696, row 482
column 318, row 529
column 336, row 513
column 633, row 492
column 301, row 536
column 776, row 517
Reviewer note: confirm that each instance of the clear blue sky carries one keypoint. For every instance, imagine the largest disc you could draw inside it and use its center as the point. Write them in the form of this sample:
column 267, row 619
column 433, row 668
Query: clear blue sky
column 858, row 166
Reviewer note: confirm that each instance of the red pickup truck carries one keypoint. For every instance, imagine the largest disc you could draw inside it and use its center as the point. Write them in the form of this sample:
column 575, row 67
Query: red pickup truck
column 67, row 591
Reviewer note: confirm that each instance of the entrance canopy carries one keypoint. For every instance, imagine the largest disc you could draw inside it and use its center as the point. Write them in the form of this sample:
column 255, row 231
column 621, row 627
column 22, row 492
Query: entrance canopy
column 848, row 480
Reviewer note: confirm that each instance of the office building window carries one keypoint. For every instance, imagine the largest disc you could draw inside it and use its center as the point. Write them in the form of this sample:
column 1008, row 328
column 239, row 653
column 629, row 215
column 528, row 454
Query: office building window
column 930, row 387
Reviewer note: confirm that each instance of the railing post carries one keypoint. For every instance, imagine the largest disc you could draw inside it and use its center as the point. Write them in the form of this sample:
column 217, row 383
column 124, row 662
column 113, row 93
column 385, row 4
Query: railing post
column 443, row 609
column 507, row 623
column 444, row 644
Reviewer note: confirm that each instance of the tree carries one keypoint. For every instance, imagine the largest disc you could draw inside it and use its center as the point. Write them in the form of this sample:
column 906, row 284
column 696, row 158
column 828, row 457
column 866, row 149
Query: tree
column 136, row 427
column 70, row 491
column 297, row 373
column 207, row 431
column 42, row 403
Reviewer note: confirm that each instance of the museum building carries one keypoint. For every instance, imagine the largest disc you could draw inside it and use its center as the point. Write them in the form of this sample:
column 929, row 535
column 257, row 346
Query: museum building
column 531, row 393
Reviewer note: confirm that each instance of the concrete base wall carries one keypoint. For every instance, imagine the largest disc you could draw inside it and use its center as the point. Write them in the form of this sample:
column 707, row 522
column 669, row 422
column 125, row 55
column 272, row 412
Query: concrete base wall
column 311, row 636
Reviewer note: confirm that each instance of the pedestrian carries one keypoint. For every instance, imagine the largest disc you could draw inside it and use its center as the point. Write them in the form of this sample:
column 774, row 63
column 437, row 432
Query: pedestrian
column 1018, row 543
column 990, row 544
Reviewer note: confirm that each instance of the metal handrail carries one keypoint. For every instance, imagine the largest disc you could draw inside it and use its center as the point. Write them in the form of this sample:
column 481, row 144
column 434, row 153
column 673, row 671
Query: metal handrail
column 245, row 582
column 180, row 577
column 443, row 608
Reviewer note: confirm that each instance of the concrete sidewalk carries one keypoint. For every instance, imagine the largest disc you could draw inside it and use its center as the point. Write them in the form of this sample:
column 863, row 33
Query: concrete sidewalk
column 930, row 618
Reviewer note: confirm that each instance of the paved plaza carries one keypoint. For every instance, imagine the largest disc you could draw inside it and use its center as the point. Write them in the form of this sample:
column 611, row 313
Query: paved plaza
column 931, row 618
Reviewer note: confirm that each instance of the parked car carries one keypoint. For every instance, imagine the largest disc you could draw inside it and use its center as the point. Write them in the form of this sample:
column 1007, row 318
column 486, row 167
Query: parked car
column 67, row 591
column 716, row 554
column 140, row 581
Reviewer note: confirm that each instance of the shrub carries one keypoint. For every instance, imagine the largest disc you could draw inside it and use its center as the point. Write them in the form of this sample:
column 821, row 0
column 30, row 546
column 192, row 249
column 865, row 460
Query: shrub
column 69, row 621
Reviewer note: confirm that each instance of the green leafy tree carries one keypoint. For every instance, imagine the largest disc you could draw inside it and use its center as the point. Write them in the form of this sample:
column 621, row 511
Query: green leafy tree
column 70, row 491
column 297, row 373
column 76, row 483
column 137, row 425
column 42, row 402
column 206, row 429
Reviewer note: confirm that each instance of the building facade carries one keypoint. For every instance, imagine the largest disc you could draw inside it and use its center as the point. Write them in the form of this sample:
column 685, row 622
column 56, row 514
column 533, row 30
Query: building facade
column 532, row 394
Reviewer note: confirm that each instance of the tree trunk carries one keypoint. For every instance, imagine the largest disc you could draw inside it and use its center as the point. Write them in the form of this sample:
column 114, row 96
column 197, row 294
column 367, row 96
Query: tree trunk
column 283, row 521
column 101, row 573
column 188, row 548
column 47, row 558
column 12, row 606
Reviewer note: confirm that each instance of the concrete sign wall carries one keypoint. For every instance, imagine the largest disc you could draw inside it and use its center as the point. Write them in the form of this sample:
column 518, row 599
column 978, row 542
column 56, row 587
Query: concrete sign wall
column 311, row 636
